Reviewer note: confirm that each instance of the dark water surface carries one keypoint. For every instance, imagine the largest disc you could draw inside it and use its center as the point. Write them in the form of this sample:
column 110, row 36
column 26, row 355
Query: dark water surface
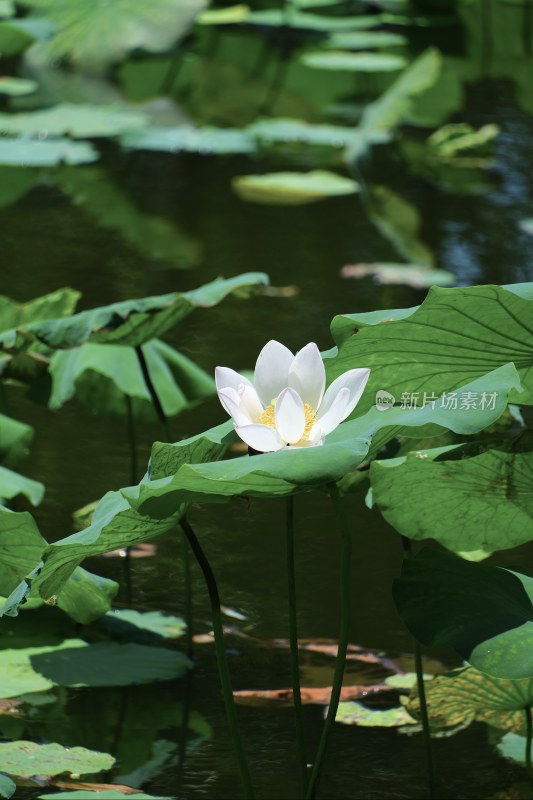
column 48, row 242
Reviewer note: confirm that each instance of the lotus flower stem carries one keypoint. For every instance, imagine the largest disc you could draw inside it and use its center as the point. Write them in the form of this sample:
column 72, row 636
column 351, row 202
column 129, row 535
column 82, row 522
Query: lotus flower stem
column 342, row 646
column 293, row 638
column 132, row 438
column 419, row 668
column 186, row 561
column 222, row 663
column 156, row 402
column 529, row 732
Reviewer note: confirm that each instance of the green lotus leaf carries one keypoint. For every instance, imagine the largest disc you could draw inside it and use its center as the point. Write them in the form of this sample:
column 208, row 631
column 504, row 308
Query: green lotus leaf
column 471, row 502
column 353, row 62
column 14, row 87
column 15, row 182
column 60, row 303
column 469, row 695
column 125, row 620
column 95, row 34
column 400, row 222
column 312, row 22
column 109, row 664
column 453, row 337
column 514, row 747
column 18, row 675
column 293, row 188
column 74, row 119
column 101, row 375
column 484, row 612
column 27, row 152
column 7, row 8
column 354, row 713
column 274, row 131
column 206, row 141
column 395, row 105
column 12, row 484
column 13, row 40
column 7, row 786
column 299, row 469
column 365, row 40
column 133, row 322
column 86, row 596
column 224, row 16
column 15, row 440
column 25, row 759
column 21, row 546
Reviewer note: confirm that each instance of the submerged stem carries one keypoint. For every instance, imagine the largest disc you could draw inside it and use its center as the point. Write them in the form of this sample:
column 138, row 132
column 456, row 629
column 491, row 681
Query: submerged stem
column 293, row 639
column 343, row 640
column 223, row 670
column 156, row 402
column 419, row 667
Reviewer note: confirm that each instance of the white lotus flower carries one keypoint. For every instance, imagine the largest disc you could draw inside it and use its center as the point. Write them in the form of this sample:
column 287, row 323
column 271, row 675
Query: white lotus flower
column 286, row 404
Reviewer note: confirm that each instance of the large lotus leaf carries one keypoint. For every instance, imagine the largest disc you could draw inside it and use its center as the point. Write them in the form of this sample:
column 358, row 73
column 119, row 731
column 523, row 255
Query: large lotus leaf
column 279, row 129
column 73, row 119
column 293, row 188
column 484, row 612
column 15, row 440
column 340, row 60
column 18, row 675
column 312, row 22
column 21, row 547
column 206, row 141
column 454, row 336
column 101, row 375
column 115, row 525
column 29, row 758
column 86, row 596
column 483, row 502
column 12, row 40
column 394, row 106
column 93, row 191
column 133, row 322
column 12, row 484
column 166, row 459
column 96, row 33
column 109, row 664
column 126, row 623
column 60, row 303
column 7, row 786
column 469, row 695
column 25, row 152
column 299, row 469
column 354, row 713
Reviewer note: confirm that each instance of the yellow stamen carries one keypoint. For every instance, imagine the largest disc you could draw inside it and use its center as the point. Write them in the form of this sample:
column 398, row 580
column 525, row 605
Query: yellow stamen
column 268, row 417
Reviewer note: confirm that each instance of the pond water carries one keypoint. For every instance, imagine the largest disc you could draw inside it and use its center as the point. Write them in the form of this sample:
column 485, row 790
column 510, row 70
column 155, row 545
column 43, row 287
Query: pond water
column 49, row 241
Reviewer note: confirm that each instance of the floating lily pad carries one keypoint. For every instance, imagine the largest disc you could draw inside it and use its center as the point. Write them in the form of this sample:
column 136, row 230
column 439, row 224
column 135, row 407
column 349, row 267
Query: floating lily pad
column 224, row 16
column 513, row 746
column 206, row 141
column 29, row 758
column 312, row 22
column 354, row 62
column 24, row 152
column 162, row 625
column 354, row 713
column 365, row 40
column 14, row 87
column 293, row 188
column 109, row 664
column 95, row 35
column 18, row 675
column 110, row 794
column 469, row 695
column 76, row 120
column 273, row 131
